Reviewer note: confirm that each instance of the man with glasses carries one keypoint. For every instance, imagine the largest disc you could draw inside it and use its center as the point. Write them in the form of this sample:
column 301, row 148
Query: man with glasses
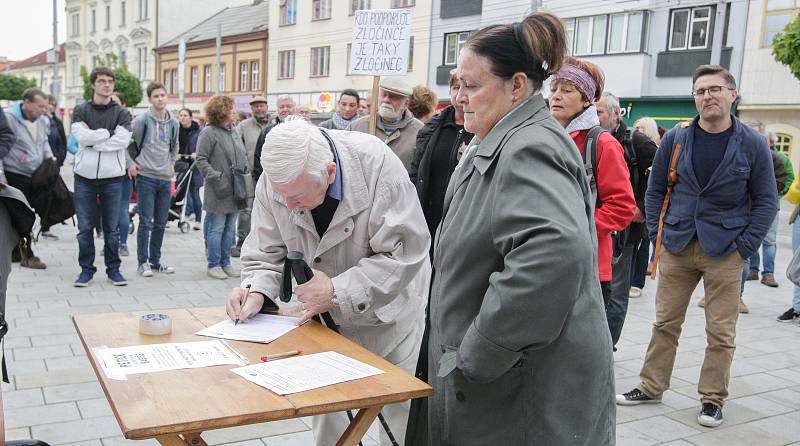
column 720, row 210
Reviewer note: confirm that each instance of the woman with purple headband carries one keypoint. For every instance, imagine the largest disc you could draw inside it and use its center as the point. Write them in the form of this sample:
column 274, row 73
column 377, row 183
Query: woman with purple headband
column 573, row 90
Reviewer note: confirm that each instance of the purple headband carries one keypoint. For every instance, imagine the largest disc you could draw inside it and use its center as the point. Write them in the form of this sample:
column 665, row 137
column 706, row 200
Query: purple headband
column 585, row 83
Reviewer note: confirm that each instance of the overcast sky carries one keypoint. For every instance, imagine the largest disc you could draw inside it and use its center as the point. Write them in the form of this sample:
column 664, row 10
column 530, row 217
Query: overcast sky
column 27, row 27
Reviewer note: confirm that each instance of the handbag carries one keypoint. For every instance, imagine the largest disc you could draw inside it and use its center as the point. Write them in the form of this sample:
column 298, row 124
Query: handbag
column 239, row 179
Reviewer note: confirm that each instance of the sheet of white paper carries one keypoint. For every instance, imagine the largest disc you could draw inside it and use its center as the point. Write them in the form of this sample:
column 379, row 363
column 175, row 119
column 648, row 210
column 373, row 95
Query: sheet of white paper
column 119, row 362
column 262, row 328
column 306, row 372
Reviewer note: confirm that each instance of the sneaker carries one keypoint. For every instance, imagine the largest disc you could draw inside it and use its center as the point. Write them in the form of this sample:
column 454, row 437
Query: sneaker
column 635, row 292
column 236, row 251
column 752, row 275
column 47, row 235
column 702, row 302
column 197, row 226
column 32, row 262
column 164, row 269
column 231, row 271
column 116, row 278
column 144, row 270
column 634, row 398
column 123, row 251
column 217, row 273
column 743, row 308
column 788, row 316
column 710, row 416
column 768, row 279
column 83, row 280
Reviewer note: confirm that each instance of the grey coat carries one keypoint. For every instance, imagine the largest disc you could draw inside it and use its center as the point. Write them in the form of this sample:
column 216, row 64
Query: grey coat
column 212, row 146
column 519, row 351
column 402, row 141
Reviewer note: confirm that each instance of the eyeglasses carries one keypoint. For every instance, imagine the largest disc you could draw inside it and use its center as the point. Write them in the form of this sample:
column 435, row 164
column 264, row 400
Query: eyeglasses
column 713, row 90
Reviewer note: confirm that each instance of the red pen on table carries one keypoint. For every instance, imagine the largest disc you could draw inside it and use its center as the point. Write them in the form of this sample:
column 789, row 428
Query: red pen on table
column 275, row 356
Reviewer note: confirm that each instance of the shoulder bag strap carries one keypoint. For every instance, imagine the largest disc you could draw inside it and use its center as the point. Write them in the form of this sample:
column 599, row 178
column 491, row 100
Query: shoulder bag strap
column 672, row 178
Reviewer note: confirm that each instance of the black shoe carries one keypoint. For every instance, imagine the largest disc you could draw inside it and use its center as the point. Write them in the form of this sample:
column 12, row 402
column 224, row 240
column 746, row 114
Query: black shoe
column 710, row 416
column 635, row 397
column 788, row 316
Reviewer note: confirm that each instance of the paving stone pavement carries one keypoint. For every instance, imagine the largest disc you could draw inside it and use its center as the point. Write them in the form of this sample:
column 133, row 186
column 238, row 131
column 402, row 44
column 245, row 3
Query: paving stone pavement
column 54, row 395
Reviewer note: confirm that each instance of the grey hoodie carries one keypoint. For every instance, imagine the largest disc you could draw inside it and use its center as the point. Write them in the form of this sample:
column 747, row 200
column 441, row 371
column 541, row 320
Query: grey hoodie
column 158, row 145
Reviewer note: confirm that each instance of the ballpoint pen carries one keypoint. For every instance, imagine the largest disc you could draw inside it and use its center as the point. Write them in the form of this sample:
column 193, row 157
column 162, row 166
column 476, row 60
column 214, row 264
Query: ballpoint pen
column 244, row 301
column 275, row 356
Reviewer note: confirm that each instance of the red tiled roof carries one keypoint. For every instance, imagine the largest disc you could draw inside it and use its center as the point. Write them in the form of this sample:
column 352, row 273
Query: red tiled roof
column 39, row 59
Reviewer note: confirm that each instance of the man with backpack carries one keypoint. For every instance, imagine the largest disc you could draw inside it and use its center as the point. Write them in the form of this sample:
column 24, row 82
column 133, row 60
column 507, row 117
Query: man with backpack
column 639, row 151
column 155, row 133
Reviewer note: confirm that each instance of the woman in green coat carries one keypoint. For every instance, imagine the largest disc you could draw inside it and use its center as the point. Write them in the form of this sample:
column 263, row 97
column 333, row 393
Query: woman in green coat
column 519, row 350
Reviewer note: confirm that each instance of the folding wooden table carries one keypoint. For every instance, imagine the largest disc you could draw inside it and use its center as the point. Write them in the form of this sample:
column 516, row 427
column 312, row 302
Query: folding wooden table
column 175, row 407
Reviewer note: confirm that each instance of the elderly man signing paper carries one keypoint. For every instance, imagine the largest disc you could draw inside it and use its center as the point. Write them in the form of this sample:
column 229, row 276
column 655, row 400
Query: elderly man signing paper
column 345, row 201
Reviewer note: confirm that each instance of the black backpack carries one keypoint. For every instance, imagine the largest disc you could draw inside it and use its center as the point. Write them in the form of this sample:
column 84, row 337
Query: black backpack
column 618, row 238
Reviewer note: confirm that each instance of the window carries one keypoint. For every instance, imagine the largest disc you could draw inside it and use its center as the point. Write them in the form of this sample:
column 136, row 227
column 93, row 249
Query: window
column 569, row 29
column 141, row 51
column 286, row 64
column 402, row 3
column 784, row 143
column 689, row 28
column 108, row 17
column 590, row 35
column 777, row 15
column 142, row 9
column 625, row 32
column 207, row 78
column 175, row 81
column 75, row 25
column 193, row 85
column 94, row 20
column 255, row 83
column 123, row 58
column 168, row 81
column 453, row 42
column 320, row 61
column 74, row 71
column 288, row 12
column 410, row 66
column 122, row 12
column 244, row 77
column 359, row 5
column 221, row 79
column 321, row 9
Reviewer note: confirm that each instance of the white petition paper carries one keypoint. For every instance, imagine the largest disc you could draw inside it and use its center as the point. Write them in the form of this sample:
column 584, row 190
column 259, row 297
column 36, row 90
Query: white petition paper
column 262, row 328
column 306, row 372
column 119, row 362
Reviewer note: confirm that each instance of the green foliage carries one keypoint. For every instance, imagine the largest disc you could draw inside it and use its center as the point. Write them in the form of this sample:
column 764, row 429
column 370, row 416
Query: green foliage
column 11, row 87
column 126, row 83
column 786, row 47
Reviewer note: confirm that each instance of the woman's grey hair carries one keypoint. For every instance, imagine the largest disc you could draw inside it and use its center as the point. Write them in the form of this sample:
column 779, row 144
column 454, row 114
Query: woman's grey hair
column 295, row 147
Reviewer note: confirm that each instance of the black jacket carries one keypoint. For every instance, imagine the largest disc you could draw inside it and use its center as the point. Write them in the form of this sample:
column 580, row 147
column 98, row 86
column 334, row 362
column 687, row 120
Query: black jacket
column 257, row 168
column 57, row 139
column 7, row 137
column 645, row 149
column 441, row 133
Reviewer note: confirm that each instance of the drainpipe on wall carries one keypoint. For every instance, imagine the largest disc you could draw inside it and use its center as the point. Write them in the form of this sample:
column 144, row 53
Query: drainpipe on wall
column 719, row 29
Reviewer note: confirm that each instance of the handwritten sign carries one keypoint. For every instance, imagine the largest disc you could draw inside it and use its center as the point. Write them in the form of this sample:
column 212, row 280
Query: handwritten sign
column 380, row 42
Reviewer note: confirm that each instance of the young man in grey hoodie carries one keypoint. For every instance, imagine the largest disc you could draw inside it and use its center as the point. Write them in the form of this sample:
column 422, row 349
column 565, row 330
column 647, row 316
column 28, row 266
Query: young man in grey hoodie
column 155, row 133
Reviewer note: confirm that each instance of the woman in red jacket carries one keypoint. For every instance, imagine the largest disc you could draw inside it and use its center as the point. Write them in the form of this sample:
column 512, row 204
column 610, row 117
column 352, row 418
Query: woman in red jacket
column 573, row 91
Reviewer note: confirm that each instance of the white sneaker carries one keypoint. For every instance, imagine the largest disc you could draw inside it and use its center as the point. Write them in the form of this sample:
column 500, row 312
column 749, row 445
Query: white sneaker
column 216, row 273
column 231, row 271
column 635, row 292
column 144, row 270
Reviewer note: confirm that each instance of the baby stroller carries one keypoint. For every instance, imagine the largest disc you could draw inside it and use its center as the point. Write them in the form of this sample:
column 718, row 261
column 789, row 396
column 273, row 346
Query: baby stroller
column 183, row 179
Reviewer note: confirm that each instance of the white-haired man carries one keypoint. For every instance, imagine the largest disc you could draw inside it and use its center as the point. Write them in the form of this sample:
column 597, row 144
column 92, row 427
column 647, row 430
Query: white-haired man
column 345, row 201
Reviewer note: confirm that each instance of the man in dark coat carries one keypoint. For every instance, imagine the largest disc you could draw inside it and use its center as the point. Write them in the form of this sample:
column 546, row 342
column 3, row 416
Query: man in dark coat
column 56, row 136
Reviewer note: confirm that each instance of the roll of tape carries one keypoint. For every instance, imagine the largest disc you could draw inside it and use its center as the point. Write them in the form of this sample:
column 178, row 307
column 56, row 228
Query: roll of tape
column 155, row 324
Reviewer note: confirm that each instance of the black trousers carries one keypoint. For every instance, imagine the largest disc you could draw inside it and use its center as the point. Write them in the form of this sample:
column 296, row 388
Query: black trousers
column 22, row 183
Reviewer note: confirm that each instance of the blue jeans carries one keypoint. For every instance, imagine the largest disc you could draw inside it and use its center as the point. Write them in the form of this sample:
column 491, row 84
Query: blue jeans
column 641, row 258
column 220, row 232
column 617, row 306
column 88, row 212
column 795, row 246
column 193, row 204
column 153, row 202
column 768, row 246
column 124, row 205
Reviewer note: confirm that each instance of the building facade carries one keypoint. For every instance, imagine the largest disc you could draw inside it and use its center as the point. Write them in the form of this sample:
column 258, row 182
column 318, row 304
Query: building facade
column 310, row 47
column 39, row 69
column 768, row 90
column 243, row 59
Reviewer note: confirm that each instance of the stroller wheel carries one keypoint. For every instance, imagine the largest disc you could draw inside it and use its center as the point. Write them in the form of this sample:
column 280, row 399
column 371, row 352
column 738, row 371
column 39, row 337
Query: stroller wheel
column 184, row 227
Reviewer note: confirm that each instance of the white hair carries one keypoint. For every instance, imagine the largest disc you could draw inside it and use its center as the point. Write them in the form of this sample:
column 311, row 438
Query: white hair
column 295, row 147
column 649, row 128
column 612, row 103
column 285, row 97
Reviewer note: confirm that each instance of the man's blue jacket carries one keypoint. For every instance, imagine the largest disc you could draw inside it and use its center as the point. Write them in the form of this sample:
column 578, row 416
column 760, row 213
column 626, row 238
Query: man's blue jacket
column 733, row 211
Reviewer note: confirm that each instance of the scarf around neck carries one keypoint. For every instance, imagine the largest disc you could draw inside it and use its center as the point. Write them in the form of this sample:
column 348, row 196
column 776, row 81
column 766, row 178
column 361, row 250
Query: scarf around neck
column 339, row 122
column 585, row 120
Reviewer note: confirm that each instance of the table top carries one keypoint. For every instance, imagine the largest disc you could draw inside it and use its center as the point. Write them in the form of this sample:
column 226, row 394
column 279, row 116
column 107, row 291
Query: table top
column 196, row 400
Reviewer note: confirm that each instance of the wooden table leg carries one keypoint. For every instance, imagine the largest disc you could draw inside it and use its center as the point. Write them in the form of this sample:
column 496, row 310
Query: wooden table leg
column 359, row 426
column 188, row 439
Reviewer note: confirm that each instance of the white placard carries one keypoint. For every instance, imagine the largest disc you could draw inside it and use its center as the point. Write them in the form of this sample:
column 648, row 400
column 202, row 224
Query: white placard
column 380, row 42
column 306, row 372
column 263, row 328
column 119, row 362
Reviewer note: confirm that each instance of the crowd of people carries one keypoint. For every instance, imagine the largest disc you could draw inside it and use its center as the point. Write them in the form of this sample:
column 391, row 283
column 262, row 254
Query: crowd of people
column 457, row 275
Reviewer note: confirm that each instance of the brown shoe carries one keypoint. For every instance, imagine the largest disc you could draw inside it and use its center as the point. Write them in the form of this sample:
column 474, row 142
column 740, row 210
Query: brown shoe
column 702, row 302
column 236, row 251
column 768, row 279
column 743, row 308
column 32, row 262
